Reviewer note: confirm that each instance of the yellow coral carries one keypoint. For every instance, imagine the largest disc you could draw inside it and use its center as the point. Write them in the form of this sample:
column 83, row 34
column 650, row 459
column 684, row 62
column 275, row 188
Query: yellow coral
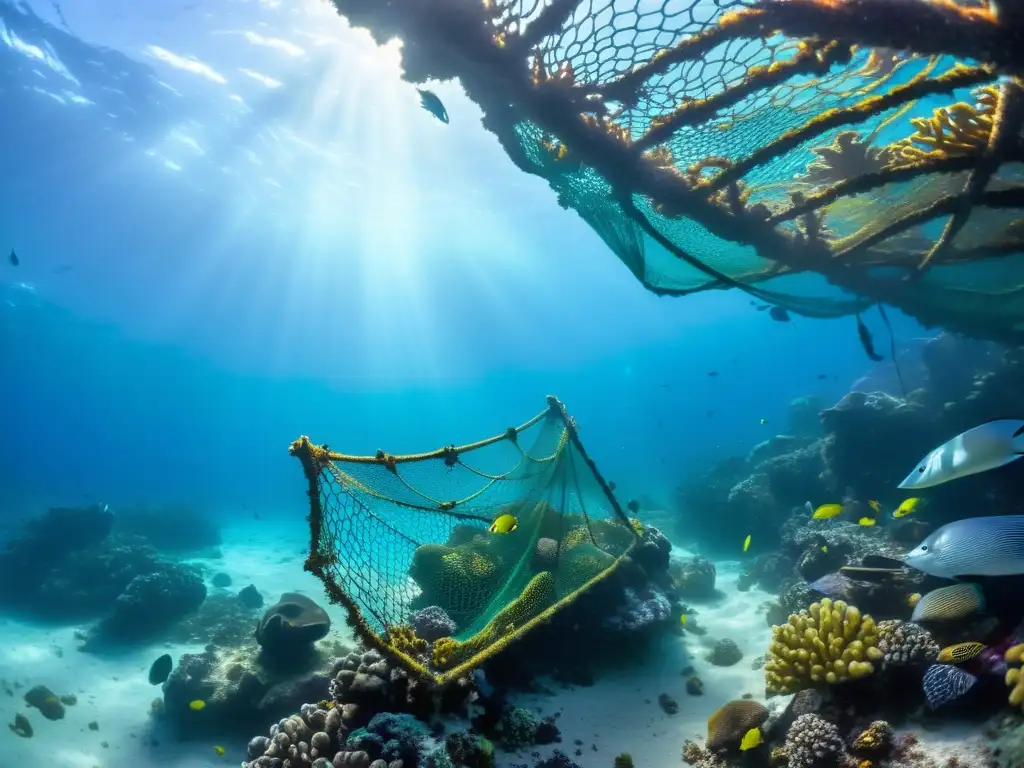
column 959, row 129
column 831, row 643
column 403, row 638
column 536, row 596
column 1015, row 655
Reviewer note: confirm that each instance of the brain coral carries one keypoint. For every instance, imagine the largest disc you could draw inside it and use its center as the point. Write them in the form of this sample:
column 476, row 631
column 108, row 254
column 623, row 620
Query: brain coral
column 732, row 720
column 829, row 643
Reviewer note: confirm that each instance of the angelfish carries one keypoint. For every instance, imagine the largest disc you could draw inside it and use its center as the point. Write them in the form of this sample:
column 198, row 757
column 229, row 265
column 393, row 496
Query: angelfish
column 977, row 546
column 979, row 449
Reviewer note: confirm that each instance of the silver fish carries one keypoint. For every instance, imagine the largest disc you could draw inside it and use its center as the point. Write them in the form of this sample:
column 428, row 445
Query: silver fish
column 979, row 449
column 977, row 546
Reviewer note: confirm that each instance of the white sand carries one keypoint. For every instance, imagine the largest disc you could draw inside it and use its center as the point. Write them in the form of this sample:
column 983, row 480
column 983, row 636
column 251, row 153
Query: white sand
column 620, row 713
column 112, row 689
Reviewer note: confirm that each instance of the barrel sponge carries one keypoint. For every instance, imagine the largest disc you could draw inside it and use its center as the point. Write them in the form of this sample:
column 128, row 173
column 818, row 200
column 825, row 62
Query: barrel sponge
column 829, row 643
column 535, row 597
column 727, row 726
column 1014, row 679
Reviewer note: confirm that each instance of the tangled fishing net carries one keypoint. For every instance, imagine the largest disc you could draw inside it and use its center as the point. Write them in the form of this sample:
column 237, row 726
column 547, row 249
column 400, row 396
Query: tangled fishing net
column 406, row 543
column 822, row 155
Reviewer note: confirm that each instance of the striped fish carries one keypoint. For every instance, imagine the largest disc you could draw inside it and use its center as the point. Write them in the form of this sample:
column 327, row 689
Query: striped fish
column 944, row 683
column 946, row 603
column 977, row 546
column 977, row 450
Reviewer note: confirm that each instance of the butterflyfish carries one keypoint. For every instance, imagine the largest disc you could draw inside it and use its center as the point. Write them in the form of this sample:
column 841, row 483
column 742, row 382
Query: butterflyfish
column 504, row 524
column 826, row 511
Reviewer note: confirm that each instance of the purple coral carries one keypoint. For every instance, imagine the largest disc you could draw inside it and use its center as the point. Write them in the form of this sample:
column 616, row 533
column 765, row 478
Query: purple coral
column 432, row 623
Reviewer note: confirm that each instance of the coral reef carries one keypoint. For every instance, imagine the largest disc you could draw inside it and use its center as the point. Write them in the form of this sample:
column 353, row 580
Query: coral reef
column 905, row 644
column 693, row 577
column 725, row 653
column 813, row 742
column 432, row 623
column 733, row 719
column 830, row 643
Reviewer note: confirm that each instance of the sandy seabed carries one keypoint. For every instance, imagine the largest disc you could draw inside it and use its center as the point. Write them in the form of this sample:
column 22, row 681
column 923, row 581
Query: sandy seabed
column 620, row 713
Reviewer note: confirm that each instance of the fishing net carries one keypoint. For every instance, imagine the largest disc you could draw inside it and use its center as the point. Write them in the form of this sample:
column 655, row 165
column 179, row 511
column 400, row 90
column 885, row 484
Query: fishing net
column 405, row 544
column 823, row 155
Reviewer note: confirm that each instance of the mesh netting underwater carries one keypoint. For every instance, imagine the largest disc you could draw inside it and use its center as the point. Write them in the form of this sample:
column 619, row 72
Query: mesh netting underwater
column 722, row 143
column 397, row 540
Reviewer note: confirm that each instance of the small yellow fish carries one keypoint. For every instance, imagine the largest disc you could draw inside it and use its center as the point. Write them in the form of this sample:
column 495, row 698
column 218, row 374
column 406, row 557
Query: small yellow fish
column 907, row 507
column 824, row 548
column 219, row 750
column 504, row 524
column 751, row 739
column 875, row 505
column 825, row 511
column 197, row 706
column 746, row 543
column 682, row 619
column 914, row 599
column 959, row 653
column 866, row 521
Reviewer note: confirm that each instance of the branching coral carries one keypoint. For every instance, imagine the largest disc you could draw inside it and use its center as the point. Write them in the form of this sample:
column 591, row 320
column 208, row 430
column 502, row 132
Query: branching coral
column 847, row 157
column 831, row 643
column 959, row 129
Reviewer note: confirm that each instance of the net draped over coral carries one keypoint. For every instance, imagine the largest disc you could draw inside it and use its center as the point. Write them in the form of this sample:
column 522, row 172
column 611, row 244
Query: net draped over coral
column 823, row 156
column 405, row 542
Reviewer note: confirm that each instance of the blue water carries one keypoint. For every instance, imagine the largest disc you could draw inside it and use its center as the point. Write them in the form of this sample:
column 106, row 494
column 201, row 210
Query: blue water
column 236, row 226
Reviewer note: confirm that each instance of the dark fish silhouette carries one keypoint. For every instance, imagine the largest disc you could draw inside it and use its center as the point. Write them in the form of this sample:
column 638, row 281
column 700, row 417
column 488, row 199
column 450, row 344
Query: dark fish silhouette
column 867, row 342
column 433, row 105
column 822, row 376
column 161, row 670
column 779, row 313
column 712, row 374
column 15, row 261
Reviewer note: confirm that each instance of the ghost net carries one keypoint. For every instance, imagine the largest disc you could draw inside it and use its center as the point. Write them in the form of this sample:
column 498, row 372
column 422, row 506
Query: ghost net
column 404, row 542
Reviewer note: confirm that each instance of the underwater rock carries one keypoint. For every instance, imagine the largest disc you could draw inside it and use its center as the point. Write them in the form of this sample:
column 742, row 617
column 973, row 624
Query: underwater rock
column 46, row 701
column 771, row 571
column 221, row 580
column 694, row 686
column 725, row 653
column 821, row 560
column 668, row 705
column 642, row 610
column 797, row 598
column 432, row 623
column 518, row 728
column 874, row 741
column 150, row 604
column 653, row 552
column 240, row 692
column 545, row 555
column 694, row 578
column 250, row 597
column 729, row 722
column 389, row 737
column 804, row 417
column 222, row 620
column 290, row 627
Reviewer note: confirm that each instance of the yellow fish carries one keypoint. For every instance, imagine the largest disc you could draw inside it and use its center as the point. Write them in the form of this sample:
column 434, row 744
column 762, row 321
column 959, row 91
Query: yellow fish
column 751, row 739
column 959, row 653
column 219, row 750
column 197, row 706
column 866, row 521
column 504, row 524
column 907, row 507
column 825, row 511
column 875, row 505
column 746, row 543
column 914, row 599
column 763, row 422
column 824, row 548
column 682, row 619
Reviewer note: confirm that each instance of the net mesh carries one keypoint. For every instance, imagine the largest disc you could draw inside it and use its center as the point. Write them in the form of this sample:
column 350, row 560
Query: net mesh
column 823, row 155
column 398, row 540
